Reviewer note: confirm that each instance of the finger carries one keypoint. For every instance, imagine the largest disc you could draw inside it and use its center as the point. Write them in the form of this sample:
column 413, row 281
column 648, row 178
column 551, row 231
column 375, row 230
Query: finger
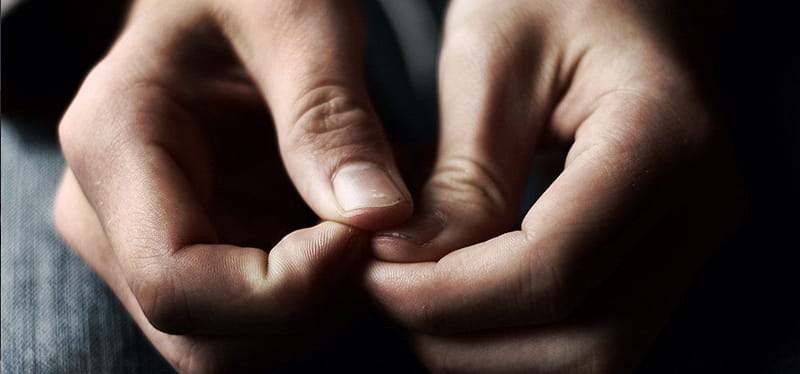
column 81, row 230
column 572, row 237
column 307, row 57
column 141, row 178
column 226, row 289
column 493, row 102
column 80, row 227
column 611, row 331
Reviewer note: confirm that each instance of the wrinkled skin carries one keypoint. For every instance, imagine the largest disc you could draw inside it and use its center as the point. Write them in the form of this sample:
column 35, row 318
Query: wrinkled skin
column 176, row 193
column 646, row 192
column 177, row 197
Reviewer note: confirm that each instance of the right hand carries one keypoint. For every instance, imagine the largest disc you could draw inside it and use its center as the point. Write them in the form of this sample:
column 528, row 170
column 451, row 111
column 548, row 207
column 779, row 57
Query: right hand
column 174, row 183
column 645, row 192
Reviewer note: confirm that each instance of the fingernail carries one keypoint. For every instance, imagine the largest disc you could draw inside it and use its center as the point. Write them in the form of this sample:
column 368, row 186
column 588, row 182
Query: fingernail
column 362, row 185
column 419, row 230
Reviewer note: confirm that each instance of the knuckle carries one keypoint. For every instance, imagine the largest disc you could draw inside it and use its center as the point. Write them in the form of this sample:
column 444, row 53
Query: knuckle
column 89, row 122
column 545, row 289
column 329, row 119
column 161, row 301
column 69, row 135
column 671, row 118
column 294, row 284
column 474, row 32
column 460, row 37
column 73, row 136
column 470, row 183
column 465, row 45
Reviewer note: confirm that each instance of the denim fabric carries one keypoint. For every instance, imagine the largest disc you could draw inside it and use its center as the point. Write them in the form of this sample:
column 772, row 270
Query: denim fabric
column 57, row 317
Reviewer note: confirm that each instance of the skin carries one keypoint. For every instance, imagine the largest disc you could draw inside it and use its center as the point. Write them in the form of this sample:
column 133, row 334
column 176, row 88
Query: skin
column 175, row 193
column 646, row 191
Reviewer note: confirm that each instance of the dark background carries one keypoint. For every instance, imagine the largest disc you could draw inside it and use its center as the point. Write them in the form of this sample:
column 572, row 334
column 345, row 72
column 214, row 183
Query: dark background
column 741, row 315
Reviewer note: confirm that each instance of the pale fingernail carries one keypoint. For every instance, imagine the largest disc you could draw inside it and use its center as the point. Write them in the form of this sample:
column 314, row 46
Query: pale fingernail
column 362, row 185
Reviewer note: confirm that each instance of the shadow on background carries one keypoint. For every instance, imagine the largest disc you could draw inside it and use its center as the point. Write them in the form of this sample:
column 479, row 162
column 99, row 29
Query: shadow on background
column 47, row 48
column 742, row 315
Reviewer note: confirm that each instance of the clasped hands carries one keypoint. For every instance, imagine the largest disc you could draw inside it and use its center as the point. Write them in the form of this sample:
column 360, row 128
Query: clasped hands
column 180, row 140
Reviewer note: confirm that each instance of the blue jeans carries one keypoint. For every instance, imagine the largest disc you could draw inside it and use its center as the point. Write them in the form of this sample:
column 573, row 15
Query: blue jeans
column 57, row 315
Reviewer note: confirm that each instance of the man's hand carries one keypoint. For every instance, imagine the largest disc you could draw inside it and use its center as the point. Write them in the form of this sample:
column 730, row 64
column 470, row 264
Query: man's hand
column 175, row 171
column 295, row 328
column 604, row 253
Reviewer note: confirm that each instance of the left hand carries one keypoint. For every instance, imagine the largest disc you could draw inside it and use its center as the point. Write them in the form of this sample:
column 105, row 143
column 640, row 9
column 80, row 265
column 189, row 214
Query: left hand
column 176, row 192
column 603, row 255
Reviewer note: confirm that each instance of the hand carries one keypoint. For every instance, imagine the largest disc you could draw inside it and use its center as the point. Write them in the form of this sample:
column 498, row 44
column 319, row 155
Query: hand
column 296, row 330
column 603, row 255
column 175, row 189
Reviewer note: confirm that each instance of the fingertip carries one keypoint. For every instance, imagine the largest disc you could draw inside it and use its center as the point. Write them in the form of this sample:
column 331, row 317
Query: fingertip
column 327, row 236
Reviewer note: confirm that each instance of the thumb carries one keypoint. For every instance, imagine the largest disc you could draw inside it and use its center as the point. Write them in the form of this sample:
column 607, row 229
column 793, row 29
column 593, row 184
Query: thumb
column 306, row 56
